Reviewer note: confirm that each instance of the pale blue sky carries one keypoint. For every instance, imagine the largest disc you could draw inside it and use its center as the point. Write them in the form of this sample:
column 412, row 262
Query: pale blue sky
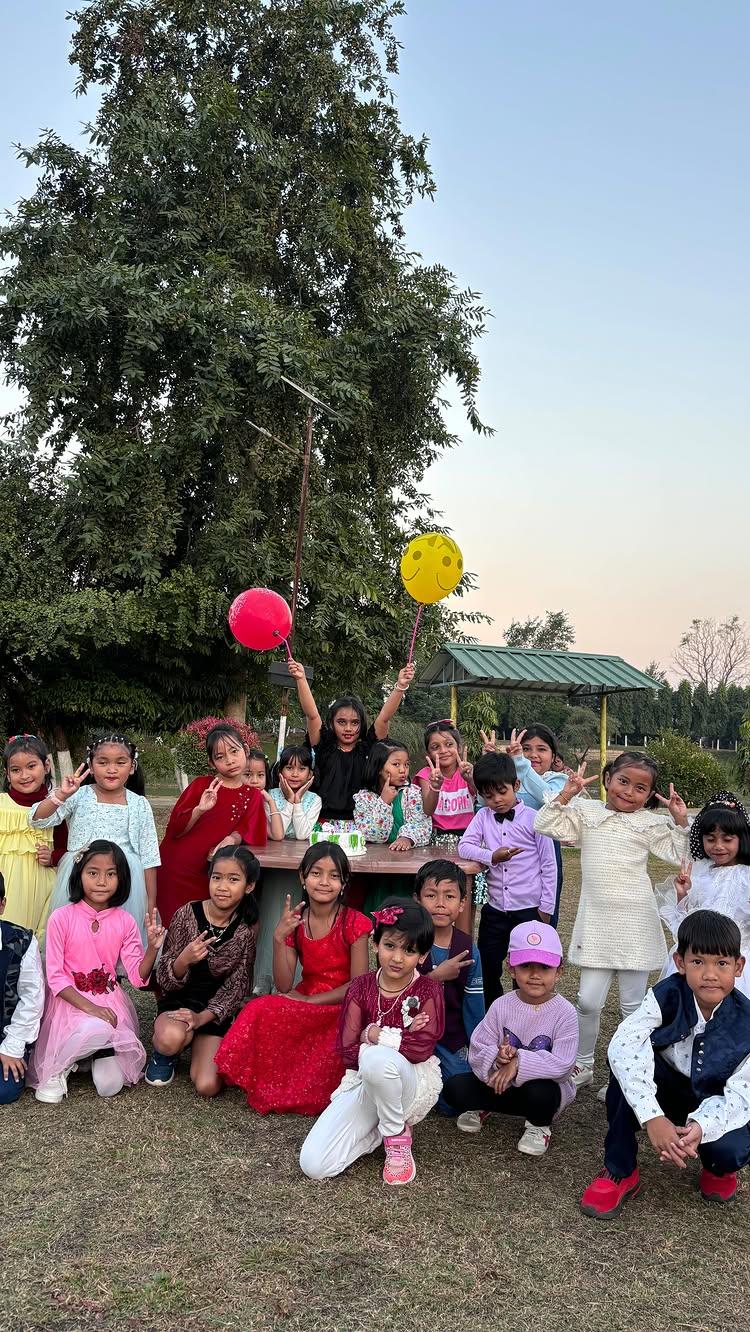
column 592, row 169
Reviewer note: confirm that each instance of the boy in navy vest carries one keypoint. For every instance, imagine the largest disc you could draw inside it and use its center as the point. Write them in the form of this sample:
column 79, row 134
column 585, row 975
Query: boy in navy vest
column 454, row 960
column 21, row 1002
column 680, row 1068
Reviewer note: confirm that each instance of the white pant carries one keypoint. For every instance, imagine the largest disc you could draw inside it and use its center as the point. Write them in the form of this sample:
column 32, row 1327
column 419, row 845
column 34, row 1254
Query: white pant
column 356, row 1121
column 592, row 995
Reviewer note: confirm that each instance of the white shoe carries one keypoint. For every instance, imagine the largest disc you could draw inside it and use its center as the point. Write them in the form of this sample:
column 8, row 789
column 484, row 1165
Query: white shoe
column 471, row 1121
column 53, row 1091
column 582, row 1076
column 534, row 1141
column 601, row 1095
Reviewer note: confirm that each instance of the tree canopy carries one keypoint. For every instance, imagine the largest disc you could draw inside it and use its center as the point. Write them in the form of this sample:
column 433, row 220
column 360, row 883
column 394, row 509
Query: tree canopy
column 237, row 215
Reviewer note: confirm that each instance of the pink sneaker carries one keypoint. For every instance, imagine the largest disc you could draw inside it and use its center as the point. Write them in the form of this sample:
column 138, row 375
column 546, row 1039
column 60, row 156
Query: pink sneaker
column 399, row 1165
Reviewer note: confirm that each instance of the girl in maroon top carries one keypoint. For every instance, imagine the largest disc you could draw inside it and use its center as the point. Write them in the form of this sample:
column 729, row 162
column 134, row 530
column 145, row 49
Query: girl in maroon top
column 390, row 1024
column 211, row 812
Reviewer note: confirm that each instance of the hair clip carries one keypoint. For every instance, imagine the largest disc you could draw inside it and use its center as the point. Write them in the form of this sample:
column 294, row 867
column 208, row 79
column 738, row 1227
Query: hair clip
column 388, row 916
column 441, row 721
column 78, row 857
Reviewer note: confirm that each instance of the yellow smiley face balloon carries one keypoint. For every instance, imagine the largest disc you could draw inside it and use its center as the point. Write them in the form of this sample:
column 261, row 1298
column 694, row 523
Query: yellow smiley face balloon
column 431, row 567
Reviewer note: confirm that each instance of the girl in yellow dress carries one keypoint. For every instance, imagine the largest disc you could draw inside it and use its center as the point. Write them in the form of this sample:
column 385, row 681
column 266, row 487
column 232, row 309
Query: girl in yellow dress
column 27, row 855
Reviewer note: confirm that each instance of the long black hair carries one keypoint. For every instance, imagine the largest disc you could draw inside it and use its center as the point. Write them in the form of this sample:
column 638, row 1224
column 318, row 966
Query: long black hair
column 376, row 761
column 248, row 908
column 26, row 744
column 101, row 848
column 136, row 781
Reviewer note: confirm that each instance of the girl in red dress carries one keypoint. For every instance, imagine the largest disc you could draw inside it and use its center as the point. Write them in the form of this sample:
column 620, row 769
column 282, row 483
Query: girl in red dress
column 211, row 812
column 281, row 1049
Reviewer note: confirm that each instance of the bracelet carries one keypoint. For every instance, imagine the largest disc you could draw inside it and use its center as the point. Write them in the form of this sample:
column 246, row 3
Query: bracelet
column 56, row 801
column 401, row 689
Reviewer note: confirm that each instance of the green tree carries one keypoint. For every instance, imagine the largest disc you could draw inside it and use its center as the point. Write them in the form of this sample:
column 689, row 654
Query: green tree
column 235, row 219
column 553, row 631
column 683, row 708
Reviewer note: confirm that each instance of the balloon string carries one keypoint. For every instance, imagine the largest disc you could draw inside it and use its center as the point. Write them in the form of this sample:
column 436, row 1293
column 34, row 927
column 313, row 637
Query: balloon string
column 285, row 641
column 414, row 635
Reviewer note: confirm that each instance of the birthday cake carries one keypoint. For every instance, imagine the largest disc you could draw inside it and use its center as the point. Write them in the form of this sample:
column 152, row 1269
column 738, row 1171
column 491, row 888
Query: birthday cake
column 350, row 841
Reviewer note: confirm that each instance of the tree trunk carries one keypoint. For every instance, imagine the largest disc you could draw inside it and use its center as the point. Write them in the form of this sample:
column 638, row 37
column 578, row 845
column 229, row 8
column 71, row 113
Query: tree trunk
column 236, row 707
column 62, row 746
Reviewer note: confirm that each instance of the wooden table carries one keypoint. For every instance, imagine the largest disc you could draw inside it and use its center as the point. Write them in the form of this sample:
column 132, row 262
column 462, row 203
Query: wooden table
column 281, row 862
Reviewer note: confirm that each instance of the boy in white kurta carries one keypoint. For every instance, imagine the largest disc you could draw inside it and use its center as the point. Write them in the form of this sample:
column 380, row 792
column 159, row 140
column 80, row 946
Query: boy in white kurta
column 617, row 931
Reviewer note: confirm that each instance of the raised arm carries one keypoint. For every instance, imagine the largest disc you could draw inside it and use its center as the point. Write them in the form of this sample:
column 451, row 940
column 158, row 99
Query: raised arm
column 306, row 702
column 393, row 701
column 284, row 953
column 56, row 806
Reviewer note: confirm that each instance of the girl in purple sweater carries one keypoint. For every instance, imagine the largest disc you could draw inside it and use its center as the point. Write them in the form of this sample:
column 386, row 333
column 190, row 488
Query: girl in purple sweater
column 522, row 1054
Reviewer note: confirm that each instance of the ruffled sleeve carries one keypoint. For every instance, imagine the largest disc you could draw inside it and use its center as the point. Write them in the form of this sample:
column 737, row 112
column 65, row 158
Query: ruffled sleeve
column 563, row 822
column 667, row 840
column 355, row 924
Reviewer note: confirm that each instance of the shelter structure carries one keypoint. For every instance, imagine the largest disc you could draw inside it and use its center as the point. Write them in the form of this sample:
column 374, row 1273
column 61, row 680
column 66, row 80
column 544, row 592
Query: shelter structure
column 574, row 675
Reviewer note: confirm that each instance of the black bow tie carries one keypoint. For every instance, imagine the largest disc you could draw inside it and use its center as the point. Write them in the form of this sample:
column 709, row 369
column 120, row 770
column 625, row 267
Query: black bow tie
column 507, row 815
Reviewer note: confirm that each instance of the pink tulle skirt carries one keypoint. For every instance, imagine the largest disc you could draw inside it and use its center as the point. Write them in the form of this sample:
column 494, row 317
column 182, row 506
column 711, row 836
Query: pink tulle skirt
column 68, row 1035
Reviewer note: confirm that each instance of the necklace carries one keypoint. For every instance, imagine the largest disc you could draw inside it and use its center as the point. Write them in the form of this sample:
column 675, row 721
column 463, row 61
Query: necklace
column 217, row 932
column 383, row 1013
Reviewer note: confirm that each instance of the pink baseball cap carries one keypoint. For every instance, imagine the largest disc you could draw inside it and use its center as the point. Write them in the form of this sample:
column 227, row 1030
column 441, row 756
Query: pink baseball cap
column 534, row 942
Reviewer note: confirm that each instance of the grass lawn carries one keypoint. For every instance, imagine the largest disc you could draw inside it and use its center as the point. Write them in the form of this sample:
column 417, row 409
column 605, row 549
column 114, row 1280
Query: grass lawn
column 157, row 1212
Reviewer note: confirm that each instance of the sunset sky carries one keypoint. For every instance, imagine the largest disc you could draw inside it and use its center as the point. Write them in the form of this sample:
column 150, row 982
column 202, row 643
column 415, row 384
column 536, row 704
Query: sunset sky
column 592, row 170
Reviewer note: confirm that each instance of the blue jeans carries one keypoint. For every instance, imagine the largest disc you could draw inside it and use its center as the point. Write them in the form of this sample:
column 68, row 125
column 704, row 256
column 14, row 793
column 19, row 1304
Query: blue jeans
column 10, row 1090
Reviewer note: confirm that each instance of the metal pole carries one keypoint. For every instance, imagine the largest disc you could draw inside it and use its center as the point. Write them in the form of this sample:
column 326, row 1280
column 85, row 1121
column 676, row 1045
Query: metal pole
column 454, row 705
column 602, row 740
column 297, row 564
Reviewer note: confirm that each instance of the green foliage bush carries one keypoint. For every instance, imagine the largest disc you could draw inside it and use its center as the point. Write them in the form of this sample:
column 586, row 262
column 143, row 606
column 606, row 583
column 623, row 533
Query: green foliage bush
column 696, row 774
column 190, row 743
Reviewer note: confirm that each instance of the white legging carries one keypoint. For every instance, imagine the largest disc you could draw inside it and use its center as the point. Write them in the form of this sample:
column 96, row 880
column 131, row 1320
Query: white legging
column 592, row 996
column 356, row 1121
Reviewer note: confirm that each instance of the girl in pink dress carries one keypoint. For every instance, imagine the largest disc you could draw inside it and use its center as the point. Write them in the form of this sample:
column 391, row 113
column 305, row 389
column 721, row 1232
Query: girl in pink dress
column 281, row 1049
column 87, row 1015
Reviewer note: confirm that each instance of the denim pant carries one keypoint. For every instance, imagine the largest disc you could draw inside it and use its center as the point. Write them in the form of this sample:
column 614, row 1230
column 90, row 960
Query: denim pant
column 10, row 1090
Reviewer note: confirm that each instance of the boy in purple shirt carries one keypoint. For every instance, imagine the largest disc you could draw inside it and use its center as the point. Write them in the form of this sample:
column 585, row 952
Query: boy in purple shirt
column 522, row 871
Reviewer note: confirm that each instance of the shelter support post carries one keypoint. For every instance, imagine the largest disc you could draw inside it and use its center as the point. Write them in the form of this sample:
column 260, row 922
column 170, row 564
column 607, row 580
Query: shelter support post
column 602, row 739
column 454, row 705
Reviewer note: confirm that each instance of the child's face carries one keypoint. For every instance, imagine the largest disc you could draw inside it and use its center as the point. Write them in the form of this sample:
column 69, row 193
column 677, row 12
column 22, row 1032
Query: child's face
column 26, row 772
column 536, row 981
column 443, row 750
column 227, row 885
column 398, row 958
column 296, row 774
column 396, row 769
column 500, row 798
column 442, row 898
column 346, row 727
column 229, row 758
column 111, row 765
column 255, row 773
column 323, row 882
column 539, row 754
column 628, row 789
column 721, row 847
column 710, row 976
column 99, row 881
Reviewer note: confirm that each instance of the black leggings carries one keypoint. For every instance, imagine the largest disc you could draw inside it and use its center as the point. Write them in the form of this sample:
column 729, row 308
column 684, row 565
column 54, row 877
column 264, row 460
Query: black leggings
column 494, row 934
column 538, row 1100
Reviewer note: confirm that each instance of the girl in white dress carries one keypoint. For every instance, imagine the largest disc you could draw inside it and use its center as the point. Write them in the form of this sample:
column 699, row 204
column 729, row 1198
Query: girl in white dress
column 113, row 808
column 717, row 878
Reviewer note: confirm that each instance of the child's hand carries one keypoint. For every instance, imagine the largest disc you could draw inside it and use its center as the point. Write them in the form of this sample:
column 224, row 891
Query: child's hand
column 436, row 777
column 684, row 879
column 106, row 1014
column 489, row 742
column 195, row 951
column 290, row 919
column 690, row 1137
column 506, row 1053
column 419, row 1023
column 515, row 748
column 388, row 792
column 232, row 840
column 71, row 782
column 210, row 796
column 296, row 670
column 501, row 1079
column 286, row 790
column 665, row 1140
column 401, row 844
column 505, row 853
column 43, row 854
column 451, row 968
column 185, row 1015
column 155, row 931
column 12, row 1067
column 466, row 768
column 676, row 806
column 269, row 803
column 405, row 677
column 575, row 784
column 301, row 998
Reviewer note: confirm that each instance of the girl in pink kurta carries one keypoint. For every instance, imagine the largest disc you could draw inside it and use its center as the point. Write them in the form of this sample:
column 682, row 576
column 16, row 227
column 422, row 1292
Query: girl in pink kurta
column 87, row 1015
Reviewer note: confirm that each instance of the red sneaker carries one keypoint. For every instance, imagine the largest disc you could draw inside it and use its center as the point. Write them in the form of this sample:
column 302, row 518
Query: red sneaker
column 717, row 1188
column 606, row 1196
column 399, row 1165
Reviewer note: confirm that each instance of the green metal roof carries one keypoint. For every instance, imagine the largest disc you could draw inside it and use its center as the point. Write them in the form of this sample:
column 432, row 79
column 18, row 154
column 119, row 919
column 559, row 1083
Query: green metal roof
column 472, row 666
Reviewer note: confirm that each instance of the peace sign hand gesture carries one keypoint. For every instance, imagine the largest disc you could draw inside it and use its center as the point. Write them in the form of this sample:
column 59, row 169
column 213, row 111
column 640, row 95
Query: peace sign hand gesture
column 489, row 742
column 210, row 796
column 466, row 768
column 436, row 777
column 576, row 783
column 70, row 783
column 683, row 880
column 290, row 919
column 155, row 931
column 676, row 806
column 515, row 748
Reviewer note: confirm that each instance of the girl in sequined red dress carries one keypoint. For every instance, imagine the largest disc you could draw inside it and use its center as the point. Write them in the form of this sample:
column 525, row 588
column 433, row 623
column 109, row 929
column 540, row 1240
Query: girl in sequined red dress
column 281, row 1049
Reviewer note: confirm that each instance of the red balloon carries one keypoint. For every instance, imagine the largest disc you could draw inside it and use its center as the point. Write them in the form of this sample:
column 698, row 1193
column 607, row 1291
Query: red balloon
column 260, row 619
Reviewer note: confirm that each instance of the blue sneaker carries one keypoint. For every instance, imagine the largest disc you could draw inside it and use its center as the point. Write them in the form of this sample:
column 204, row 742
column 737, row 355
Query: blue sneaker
column 160, row 1069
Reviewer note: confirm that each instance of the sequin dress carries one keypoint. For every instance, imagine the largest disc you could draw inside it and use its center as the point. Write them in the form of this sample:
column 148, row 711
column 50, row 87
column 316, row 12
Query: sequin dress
column 281, row 1052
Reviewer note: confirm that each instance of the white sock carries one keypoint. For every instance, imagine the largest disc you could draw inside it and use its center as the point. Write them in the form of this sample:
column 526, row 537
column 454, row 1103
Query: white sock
column 107, row 1075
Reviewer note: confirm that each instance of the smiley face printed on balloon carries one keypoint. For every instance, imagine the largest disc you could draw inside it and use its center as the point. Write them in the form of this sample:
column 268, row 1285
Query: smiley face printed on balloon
column 432, row 567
